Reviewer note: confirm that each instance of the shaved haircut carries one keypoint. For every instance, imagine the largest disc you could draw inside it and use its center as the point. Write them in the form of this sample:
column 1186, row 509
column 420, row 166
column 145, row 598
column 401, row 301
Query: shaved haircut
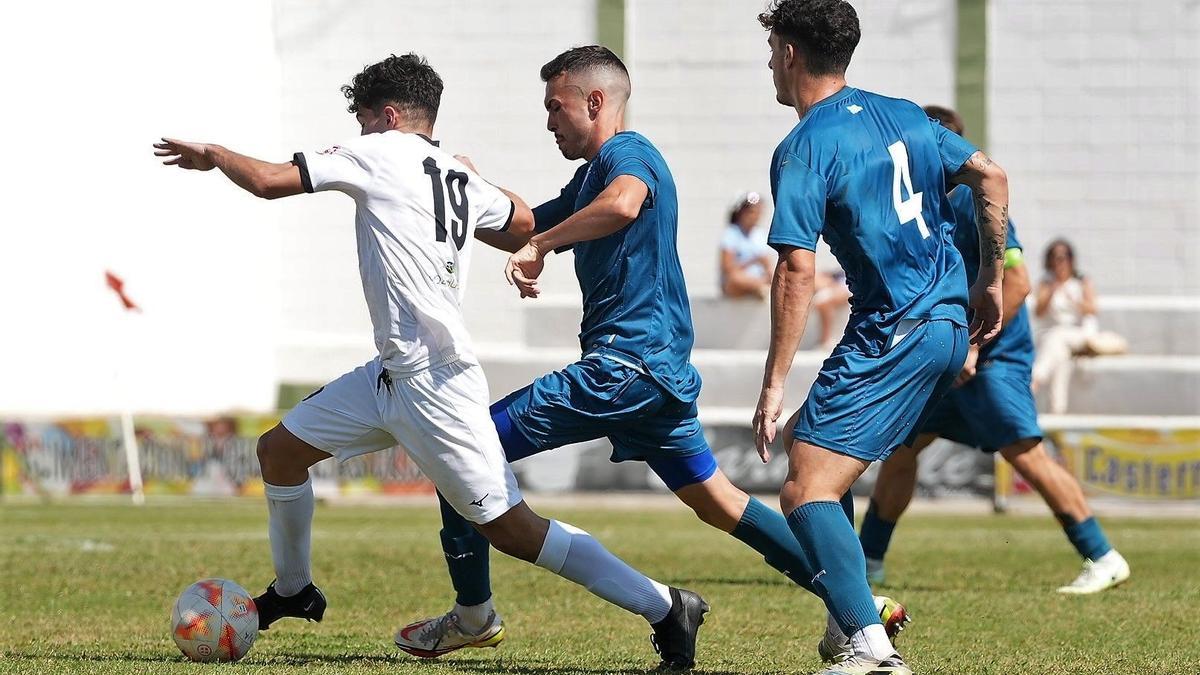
column 595, row 64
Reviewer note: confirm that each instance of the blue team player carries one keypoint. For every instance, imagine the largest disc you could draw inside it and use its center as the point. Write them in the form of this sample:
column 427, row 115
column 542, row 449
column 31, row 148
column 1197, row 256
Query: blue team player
column 991, row 407
column 869, row 174
column 634, row 383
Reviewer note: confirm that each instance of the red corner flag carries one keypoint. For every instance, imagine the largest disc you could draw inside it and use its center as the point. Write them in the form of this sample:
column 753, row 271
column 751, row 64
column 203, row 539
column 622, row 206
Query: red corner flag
column 117, row 284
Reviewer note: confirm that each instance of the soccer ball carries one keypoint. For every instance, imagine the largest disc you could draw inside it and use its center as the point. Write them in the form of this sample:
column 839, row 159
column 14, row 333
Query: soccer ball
column 214, row 620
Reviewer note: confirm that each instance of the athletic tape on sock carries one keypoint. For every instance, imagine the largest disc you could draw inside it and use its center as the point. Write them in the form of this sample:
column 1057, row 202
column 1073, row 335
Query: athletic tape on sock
column 556, row 546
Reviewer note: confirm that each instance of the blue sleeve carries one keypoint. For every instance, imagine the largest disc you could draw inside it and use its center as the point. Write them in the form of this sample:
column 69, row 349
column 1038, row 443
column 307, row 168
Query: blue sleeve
column 630, row 159
column 553, row 212
column 799, row 205
column 954, row 149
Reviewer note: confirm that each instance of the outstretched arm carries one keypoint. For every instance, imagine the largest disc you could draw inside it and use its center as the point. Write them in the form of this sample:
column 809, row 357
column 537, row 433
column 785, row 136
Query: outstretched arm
column 614, row 208
column 259, row 178
column 989, row 184
column 791, row 294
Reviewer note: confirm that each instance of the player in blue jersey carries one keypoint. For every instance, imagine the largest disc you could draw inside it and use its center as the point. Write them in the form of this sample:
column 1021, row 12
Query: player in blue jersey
column 869, row 174
column 634, row 384
column 991, row 407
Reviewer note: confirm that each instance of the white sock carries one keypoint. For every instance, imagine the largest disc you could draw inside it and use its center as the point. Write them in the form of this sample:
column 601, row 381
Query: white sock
column 290, row 509
column 872, row 641
column 835, row 631
column 474, row 618
column 574, row 554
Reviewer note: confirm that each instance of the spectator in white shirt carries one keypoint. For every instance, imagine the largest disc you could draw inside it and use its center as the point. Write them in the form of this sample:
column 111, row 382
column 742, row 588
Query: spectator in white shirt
column 1066, row 314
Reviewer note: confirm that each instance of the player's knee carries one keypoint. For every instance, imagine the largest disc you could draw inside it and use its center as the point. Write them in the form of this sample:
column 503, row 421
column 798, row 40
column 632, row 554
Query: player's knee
column 265, row 459
column 791, row 497
column 900, row 466
column 273, row 458
column 516, row 533
column 1025, row 455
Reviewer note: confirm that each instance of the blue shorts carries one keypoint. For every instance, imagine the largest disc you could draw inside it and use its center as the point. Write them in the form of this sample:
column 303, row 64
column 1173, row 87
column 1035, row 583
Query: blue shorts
column 866, row 406
column 991, row 411
column 598, row 397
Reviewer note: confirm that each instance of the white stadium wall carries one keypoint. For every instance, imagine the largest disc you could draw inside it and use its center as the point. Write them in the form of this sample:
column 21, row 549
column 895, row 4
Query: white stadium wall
column 1094, row 112
column 89, row 87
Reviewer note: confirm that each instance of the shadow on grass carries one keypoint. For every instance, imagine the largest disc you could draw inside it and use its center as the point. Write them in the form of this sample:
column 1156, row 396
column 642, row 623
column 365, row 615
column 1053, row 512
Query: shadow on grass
column 301, row 659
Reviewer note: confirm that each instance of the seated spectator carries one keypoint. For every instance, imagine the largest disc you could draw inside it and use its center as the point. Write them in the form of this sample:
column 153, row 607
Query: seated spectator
column 1067, row 325
column 747, row 262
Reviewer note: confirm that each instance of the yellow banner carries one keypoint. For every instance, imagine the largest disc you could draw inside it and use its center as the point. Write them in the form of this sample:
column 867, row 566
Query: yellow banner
column 1135, row 463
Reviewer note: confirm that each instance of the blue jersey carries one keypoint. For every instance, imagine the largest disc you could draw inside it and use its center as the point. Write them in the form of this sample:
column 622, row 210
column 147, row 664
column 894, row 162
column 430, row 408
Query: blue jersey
column 869, row 174
column 1014, row 344
column 634, row 297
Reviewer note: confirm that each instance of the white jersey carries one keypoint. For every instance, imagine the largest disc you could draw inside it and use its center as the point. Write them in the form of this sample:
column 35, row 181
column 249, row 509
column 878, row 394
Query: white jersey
column 417, row 209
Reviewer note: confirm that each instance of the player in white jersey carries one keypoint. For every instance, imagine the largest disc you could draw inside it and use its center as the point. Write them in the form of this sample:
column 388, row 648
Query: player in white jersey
column 418, row 209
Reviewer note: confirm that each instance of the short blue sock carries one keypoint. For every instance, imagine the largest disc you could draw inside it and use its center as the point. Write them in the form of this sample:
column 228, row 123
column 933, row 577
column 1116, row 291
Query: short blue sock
column 841, row 577
column 466, row 557
column 847, row 503
column 1087, row 537
column 766, row 531
column 875, row 535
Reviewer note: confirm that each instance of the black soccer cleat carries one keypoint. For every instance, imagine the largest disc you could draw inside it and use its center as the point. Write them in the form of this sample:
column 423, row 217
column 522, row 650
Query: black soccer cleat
column 308, row 604
column 674, row 637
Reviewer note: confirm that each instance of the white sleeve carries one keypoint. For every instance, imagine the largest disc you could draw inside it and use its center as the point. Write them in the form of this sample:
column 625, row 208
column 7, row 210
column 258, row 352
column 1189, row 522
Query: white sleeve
column 342, row 167
column 496, row 209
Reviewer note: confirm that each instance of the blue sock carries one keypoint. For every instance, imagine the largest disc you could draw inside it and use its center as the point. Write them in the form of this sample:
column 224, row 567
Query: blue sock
column 1087, row 537
column 466, row 556
column 847, row 503
column 875, row 534
column 841, row 579
column 767, row 532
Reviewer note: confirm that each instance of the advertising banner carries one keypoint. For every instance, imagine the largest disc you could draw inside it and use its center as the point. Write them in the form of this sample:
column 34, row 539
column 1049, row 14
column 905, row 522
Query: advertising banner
column 179, row 456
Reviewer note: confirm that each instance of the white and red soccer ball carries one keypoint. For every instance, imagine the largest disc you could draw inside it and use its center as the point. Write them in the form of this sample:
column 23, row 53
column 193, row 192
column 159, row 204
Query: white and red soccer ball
column 214, row 620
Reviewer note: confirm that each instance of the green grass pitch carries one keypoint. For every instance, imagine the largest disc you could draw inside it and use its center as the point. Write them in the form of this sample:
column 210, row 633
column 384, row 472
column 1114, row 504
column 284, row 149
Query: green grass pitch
column 87, row 588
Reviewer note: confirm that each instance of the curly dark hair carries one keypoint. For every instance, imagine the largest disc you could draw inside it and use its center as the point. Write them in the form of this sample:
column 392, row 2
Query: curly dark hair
column 825, row 31
column 579, row 59
column 948, row 118
column 406, row 82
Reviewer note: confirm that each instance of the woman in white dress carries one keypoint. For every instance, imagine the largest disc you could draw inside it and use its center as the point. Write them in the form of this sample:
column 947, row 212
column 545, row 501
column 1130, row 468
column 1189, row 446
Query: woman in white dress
column 1066, row 314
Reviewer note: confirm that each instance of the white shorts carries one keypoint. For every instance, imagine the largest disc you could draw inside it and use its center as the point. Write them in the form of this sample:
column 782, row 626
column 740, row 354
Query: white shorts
column 438, row 415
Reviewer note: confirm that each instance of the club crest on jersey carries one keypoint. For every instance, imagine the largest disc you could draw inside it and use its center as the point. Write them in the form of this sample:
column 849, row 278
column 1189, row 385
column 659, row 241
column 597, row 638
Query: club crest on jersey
column 450, row 267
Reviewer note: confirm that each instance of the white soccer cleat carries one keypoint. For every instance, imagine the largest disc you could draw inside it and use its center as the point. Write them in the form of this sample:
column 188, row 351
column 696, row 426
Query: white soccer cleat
column 430, row 638
column 1099, row 575
column 875, row 574
column 834, row 646
column 861, row 665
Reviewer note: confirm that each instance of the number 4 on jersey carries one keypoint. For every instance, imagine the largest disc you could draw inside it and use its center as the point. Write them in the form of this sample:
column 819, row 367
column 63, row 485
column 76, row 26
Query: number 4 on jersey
column 909, row 209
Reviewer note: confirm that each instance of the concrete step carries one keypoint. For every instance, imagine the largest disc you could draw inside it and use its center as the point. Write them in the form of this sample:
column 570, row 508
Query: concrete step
column 1166, row 325
column 1119, row 385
